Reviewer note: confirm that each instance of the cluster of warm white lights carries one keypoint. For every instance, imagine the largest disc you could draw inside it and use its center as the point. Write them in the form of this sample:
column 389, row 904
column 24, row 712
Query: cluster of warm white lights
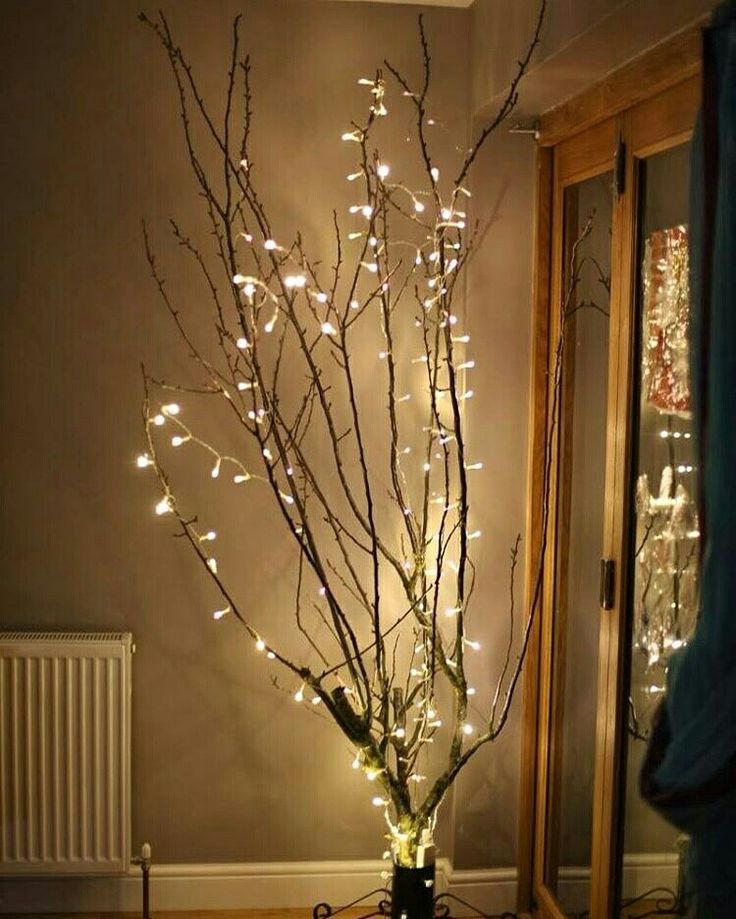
column 289, row 279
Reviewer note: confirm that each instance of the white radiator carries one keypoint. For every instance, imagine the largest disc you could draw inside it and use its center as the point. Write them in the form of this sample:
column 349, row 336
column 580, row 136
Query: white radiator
column 64, row 752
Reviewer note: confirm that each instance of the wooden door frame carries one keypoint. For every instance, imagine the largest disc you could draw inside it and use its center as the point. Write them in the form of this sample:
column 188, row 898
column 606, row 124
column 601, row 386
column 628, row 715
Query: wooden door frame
column 626, row 93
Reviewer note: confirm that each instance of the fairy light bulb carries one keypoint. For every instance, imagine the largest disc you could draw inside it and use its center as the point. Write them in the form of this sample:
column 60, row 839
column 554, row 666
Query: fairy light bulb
column 240, row 478
column 476, row 534
column 461, row 339
column 452, row 611
column 177, row 440
column 328, row 328
column 269, row 244
column 471, row 466
column 434, row 171
column 171, row 409
column 470, row 691
column 260, row 645
column 295, row 280
column 158, row 420
column 241, row 343
column 354, row 305
column 163, row 507
column 215, row 472
column 475, row 645
column 378, row 801
column 299, row 695
column 354, row 175
column 287, row 499
column 468, row 729
column 208, row 537
column 316, row 700
column 212, row 565
column 371, row 774
column 356, row 762
column 249, row 289
column 418, row 206
column 446, row 213
column 321, row 297
column 466, row 395
column 466, row 365
column 244, row 385
column 143, row 461
column 219, row 613
column 383, row 171
column 370, row 266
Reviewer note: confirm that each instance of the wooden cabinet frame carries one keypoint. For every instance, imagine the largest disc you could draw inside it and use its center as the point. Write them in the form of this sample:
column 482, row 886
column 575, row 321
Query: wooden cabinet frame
column 650, row 105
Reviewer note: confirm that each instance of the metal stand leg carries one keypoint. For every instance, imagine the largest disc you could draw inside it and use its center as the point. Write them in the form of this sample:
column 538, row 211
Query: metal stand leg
column 440, row 910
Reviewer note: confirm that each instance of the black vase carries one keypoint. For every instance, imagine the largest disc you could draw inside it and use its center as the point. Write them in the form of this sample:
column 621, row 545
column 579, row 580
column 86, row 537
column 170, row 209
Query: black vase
column 412, row 893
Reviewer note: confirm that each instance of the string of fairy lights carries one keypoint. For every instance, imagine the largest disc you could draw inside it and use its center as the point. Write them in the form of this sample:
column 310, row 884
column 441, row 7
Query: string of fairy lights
column 268, row 297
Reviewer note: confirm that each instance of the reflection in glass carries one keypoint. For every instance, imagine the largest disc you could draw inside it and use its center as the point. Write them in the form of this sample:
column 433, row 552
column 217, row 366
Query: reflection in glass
column 579, row 533
column 665, row 532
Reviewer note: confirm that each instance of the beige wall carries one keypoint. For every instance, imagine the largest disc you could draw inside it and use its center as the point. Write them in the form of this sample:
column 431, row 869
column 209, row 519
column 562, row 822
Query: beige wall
column 224, row 768
column 581, row 43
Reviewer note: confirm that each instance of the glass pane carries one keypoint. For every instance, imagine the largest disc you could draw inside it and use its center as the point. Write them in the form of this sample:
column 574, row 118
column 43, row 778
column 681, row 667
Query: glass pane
column 664, row 519
column 579, row 537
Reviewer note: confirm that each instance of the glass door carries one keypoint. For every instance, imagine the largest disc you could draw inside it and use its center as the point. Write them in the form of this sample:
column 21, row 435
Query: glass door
column 579, row 396
column 663, row 539
column 620, row 568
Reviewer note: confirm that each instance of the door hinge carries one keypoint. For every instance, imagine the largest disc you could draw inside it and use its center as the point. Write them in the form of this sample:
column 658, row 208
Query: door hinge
column 608, row 583
column 619, row 168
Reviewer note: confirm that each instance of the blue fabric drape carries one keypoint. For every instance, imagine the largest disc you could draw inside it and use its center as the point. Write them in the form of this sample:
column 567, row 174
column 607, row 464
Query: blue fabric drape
column 690, row 771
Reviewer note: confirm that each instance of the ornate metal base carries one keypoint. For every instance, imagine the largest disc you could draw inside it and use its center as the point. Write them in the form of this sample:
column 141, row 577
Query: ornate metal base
column 440, row 907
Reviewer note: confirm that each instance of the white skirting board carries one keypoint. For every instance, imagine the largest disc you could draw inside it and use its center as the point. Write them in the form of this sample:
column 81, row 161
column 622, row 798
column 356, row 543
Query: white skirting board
column 287, row 884
column 244, row 886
